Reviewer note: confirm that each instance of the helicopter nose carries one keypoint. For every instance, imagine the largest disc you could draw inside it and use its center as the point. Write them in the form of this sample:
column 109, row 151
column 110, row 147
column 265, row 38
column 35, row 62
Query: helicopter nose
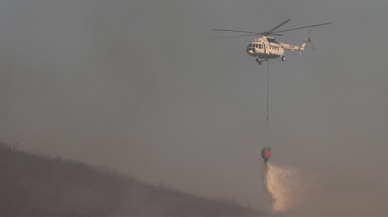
column 250, row 50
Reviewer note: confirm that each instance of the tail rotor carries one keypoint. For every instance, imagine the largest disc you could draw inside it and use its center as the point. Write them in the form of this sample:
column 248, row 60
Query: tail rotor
column 308, row 40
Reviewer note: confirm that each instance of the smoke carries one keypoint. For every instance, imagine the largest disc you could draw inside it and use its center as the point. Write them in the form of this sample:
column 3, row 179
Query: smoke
column 285, row 187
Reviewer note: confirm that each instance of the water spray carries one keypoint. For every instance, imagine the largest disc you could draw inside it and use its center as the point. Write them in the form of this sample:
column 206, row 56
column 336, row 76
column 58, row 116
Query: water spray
column 281, row 186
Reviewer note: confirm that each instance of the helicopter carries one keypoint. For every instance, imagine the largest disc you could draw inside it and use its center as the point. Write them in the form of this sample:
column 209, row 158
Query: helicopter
column 266, row 47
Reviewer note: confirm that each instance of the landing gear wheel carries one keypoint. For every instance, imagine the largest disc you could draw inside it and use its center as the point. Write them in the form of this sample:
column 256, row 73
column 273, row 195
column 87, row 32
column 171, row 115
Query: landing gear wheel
column 258, row 60
column 283, row 58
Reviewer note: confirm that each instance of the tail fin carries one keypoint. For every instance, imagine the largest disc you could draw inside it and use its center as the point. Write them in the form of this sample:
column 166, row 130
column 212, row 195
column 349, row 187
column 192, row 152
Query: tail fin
column 303, row 45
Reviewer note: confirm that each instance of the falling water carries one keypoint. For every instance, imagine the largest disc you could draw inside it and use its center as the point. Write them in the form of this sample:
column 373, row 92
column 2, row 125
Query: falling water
column 283, row 187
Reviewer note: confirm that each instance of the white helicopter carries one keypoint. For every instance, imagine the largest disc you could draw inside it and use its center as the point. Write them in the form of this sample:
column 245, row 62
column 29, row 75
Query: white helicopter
column 266, row 47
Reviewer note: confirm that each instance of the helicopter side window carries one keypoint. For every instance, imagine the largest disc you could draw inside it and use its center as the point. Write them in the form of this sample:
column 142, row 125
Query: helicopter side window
column 259, row 46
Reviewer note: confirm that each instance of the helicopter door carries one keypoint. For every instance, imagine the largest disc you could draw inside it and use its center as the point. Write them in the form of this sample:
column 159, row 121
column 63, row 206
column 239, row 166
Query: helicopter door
column 266, row 49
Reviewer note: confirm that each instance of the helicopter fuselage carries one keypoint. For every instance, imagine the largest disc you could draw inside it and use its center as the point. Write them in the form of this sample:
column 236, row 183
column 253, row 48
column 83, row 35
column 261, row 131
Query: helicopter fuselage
column 267, row 48
column 263, row 49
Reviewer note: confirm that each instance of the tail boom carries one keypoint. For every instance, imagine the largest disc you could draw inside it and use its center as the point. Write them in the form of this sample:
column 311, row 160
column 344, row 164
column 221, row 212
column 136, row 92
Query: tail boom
column 293, row 47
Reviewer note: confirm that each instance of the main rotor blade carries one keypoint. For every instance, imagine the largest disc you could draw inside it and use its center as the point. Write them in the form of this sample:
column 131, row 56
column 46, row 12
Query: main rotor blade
column 279, row 25
column 273, row 34
column 236, row 36
column 229, row 30
column 300, row 28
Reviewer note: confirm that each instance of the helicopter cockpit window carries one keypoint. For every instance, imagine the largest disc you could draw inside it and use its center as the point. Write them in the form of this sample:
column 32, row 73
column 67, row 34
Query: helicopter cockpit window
column 250, row 45
column 271, row 40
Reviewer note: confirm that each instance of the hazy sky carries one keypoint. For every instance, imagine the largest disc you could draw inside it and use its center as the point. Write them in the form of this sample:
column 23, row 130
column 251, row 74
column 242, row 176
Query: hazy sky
column 139, row 86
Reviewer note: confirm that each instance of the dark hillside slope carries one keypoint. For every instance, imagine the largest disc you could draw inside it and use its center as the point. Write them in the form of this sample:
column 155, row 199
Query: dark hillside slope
column 34, row 185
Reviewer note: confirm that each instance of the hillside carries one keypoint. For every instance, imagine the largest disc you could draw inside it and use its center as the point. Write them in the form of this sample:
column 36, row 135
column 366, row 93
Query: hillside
column 39, row 185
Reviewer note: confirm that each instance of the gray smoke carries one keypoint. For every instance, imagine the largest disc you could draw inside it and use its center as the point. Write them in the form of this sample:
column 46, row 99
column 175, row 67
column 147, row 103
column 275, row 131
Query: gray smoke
column 139, row 86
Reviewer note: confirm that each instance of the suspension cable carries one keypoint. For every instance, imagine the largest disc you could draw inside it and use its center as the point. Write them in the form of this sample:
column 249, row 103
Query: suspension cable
column 267, row 88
